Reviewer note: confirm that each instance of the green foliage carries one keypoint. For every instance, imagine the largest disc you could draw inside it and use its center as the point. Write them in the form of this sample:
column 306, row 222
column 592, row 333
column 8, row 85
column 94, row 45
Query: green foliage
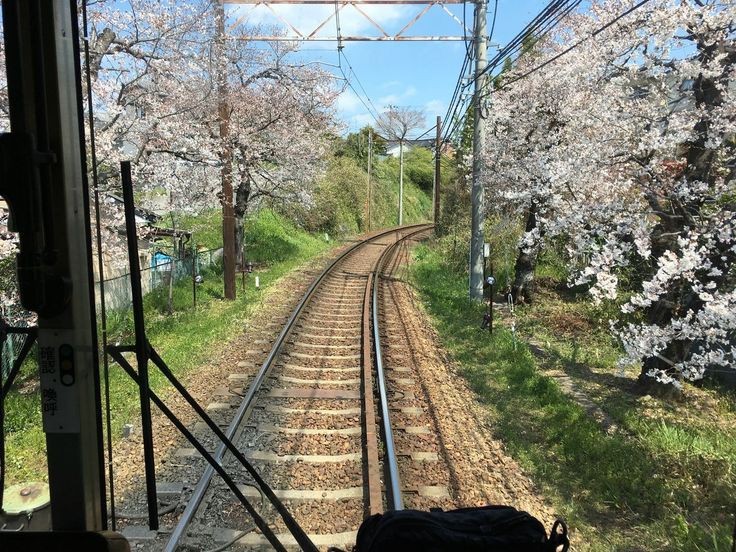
column 385, row 211
column 507, row 66
column 205, row 226
column 185, row 339
column 419, row 168
column 355, row 146
column 273, row 238
column 667, row 485
column 340, row 198
column 7, row 273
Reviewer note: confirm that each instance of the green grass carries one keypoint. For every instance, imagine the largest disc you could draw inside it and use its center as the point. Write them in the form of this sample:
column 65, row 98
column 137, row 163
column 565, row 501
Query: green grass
column 206, row 227
column 385, row 213
column 184, row 339
column 662, row 483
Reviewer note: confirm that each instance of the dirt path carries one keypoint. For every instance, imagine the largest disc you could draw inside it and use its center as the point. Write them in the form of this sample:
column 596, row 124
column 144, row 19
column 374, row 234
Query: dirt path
column 480, row 470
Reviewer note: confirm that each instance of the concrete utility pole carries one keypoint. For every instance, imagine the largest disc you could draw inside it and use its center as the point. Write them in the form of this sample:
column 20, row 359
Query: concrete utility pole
column 477, row 199
column 370, row 155
column 437, row 157
column 226, row 155
column 401, row 181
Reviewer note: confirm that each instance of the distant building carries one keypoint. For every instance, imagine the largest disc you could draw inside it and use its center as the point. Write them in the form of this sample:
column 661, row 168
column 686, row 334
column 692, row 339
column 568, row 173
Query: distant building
column 392, row 146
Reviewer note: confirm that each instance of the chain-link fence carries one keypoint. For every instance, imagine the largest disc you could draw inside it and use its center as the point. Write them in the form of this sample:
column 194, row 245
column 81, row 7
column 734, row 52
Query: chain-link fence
column 117, row 293
column 11, row 346
column 158, row 275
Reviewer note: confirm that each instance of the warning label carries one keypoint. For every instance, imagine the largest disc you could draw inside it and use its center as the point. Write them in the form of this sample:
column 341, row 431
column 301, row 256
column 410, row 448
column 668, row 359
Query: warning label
column 59, row 399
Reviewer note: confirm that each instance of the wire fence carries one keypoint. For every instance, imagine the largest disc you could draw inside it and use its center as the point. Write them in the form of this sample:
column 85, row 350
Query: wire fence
column 12, row 343
column 118, row 297
column 157, row 275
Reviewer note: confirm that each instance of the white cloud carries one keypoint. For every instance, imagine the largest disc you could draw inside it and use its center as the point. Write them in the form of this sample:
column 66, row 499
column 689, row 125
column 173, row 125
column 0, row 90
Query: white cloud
column 306, row 19
column 361, row 120
column 397, row 98
column 348, row 102
column 434, row 108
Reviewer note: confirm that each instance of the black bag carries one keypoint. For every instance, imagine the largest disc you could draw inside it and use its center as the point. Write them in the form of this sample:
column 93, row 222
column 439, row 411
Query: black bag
column 487, row 528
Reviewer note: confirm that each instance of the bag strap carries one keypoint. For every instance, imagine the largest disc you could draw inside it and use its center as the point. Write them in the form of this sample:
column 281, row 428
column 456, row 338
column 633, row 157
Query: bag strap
column 558, row 537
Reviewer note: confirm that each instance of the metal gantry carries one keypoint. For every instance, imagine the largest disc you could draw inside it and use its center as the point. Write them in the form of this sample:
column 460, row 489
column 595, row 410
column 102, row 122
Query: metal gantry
column 358, row 6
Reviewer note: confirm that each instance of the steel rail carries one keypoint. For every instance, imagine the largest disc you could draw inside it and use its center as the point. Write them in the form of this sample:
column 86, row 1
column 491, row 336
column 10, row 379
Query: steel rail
column 245, row 406
column 394, row 482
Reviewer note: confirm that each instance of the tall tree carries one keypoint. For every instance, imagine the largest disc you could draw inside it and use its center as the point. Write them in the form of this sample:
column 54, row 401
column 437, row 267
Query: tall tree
column 624, row 146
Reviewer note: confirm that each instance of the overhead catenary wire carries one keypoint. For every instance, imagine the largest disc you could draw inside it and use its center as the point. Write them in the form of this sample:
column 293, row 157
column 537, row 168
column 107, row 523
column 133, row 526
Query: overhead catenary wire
column 574, row 46
column 370, row 107
column 539, row 27
column 423, row 134
column 360, row 84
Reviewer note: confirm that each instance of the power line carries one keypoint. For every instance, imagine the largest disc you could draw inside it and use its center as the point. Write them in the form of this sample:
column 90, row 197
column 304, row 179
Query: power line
column 360, row 84
column 538, row 27
column 457, row 97
column 340, row 55
column 493, row 23
column 571, row 48
column 424, row 133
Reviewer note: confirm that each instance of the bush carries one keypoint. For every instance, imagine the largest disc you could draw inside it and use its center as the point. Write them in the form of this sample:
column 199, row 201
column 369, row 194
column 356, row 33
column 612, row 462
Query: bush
column 419, row 168
column 339, row 200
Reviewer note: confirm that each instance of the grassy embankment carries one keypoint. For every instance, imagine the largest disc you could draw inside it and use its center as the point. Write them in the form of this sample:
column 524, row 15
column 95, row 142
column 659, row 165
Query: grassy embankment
column 341, row 197
column 663, row 477
column 184, row 339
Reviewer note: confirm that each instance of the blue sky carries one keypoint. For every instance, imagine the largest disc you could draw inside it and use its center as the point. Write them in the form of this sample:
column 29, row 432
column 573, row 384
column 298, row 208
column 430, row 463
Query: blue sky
column 417, row 74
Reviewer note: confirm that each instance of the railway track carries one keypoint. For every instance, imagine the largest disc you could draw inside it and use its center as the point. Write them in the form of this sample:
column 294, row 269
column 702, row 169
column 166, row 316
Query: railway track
column 310, row 420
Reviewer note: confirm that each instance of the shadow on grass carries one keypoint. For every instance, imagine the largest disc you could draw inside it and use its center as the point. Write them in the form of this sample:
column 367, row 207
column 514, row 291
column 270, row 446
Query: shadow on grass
column 612, row 482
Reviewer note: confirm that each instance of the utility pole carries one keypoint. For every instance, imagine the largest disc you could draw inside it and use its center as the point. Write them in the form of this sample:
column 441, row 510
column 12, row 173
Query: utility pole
column 401, row 181
column 477, row 199
column 437, row 157
column 226, row 155
column 370, row 155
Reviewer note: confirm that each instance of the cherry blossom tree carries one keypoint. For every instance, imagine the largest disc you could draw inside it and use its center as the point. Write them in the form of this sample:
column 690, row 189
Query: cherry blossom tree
column 630, row 158
column 280, row 119
column 160, row 98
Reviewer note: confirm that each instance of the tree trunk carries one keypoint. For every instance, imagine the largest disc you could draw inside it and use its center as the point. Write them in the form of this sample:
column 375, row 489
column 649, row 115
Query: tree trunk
column 401, row 182
column 226, row 160
column 526, row 263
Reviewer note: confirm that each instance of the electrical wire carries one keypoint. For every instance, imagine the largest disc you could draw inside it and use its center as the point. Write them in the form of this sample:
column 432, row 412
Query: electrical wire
column 538, row 27
column 340, row 55
column 571, row 48
column 493, row 23
column 423, row 134
column 345, row 57
column 542, row 24
column 456, row 100
column 100, row 264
